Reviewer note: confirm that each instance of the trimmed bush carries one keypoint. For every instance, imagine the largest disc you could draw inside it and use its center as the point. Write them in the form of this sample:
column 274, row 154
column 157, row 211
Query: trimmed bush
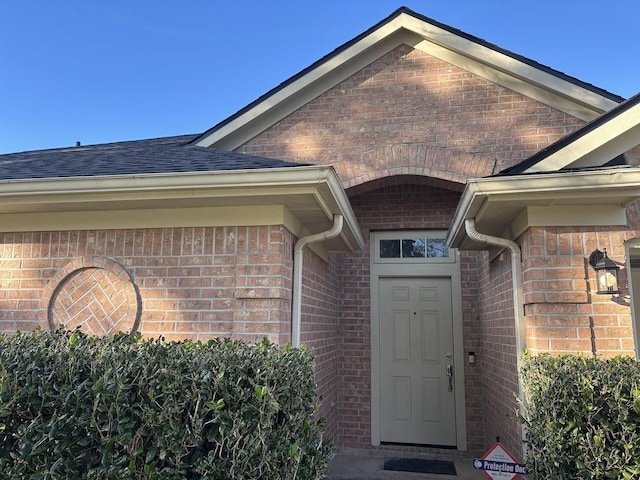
column 582, row 418
column 75, row 406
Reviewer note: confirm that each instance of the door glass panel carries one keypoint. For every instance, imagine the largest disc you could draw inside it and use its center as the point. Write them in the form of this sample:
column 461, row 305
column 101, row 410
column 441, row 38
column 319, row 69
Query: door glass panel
column 413, row 248
column 437, row 248
column 390, row 248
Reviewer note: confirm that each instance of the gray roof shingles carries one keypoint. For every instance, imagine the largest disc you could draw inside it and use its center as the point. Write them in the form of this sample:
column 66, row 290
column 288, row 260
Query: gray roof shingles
column 138, row 157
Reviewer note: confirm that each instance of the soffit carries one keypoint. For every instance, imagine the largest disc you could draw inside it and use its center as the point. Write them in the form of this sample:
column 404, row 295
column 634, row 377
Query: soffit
column 405, row 27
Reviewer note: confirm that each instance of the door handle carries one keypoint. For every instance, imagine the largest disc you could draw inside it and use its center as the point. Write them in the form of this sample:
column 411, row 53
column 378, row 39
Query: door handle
column 450, row 376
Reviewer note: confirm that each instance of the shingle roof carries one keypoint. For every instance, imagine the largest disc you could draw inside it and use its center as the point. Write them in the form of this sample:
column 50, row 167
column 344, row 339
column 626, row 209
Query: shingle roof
column 139, row 157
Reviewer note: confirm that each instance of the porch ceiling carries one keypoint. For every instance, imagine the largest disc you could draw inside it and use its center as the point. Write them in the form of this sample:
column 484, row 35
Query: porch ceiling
column 506, row 206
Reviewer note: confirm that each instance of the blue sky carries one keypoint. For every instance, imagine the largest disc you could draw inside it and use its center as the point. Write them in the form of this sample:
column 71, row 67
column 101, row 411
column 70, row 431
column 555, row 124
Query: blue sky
column 102, row 71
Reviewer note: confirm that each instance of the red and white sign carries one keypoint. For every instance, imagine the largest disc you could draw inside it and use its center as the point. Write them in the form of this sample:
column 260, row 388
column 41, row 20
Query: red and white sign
column 499, row 464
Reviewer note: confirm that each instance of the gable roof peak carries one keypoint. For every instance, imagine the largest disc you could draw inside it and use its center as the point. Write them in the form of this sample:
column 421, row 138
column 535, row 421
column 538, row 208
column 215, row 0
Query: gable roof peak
column 407, row 27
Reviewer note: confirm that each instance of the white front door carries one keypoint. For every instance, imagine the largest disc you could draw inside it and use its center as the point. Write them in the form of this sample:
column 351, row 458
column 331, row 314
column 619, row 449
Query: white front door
column 417, row 385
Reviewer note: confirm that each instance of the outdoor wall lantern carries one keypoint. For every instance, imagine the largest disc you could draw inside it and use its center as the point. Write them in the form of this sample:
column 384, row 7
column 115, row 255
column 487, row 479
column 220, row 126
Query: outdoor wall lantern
column 606, row 273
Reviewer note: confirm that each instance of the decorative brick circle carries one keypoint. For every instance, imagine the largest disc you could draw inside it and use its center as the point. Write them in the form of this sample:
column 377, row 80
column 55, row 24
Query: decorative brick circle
column 96, row 294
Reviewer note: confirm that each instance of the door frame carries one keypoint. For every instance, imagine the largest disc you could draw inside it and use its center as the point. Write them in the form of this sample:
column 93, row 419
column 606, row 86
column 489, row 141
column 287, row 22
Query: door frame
column 632, row 264
column 438, row 268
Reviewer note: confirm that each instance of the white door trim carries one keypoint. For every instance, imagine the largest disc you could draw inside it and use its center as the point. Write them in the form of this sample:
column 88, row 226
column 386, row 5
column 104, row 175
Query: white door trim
column 440, row 269
column 632, row 251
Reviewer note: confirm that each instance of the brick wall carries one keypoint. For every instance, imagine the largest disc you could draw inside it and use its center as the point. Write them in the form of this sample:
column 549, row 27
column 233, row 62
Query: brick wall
column 498, row 356
column 319, row 327
column 563, row 312
column 193, row 282
column 411, row 113
column 470, row 263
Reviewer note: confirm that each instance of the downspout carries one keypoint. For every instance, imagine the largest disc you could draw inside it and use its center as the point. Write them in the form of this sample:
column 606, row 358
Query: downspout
column 296, row 304
column 518, row 302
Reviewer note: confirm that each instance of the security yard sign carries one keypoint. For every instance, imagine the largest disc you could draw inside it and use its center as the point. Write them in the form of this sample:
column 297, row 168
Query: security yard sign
column 499, row 464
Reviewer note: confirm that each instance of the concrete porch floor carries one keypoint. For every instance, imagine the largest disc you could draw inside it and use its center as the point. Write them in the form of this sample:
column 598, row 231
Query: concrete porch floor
column 344, row 466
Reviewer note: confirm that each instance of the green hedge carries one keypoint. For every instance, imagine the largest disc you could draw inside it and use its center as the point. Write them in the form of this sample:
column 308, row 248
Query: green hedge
column 75, row 406
column 582, row 417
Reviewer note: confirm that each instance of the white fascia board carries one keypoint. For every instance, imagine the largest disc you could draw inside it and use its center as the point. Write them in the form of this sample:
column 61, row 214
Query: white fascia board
column 454, row 48
column 605, row 142
column 468, row 205
column 332, row 199
column 552, row 93
column 620, row 185
column 610, row 180
column 356, row 240
column 162, row 182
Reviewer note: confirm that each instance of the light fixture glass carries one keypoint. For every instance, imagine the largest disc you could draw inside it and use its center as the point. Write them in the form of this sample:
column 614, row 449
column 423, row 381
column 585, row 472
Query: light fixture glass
column 606, row 273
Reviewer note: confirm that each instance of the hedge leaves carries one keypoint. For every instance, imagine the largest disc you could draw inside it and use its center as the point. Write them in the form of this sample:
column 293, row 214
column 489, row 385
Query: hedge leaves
column 583, row 417
column 75, row 406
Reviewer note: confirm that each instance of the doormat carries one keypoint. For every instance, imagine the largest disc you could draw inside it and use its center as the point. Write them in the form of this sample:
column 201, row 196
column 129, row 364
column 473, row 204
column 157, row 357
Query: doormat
column 419, row 465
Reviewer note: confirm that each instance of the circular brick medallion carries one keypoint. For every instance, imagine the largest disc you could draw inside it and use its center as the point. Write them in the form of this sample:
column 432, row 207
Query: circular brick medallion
column 97, row 295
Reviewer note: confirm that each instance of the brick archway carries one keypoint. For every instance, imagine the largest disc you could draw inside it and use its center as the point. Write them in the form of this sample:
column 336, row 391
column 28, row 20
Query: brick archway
column 447, row 165
column 96, row 294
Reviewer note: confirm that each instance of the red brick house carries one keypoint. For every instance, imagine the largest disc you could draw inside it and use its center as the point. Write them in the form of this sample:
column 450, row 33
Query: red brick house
column 417, row 207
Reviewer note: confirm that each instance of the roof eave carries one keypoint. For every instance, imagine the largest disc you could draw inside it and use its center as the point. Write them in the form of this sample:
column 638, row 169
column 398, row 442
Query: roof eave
column 312, row 195
column 504, row 206
column 608, row 136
